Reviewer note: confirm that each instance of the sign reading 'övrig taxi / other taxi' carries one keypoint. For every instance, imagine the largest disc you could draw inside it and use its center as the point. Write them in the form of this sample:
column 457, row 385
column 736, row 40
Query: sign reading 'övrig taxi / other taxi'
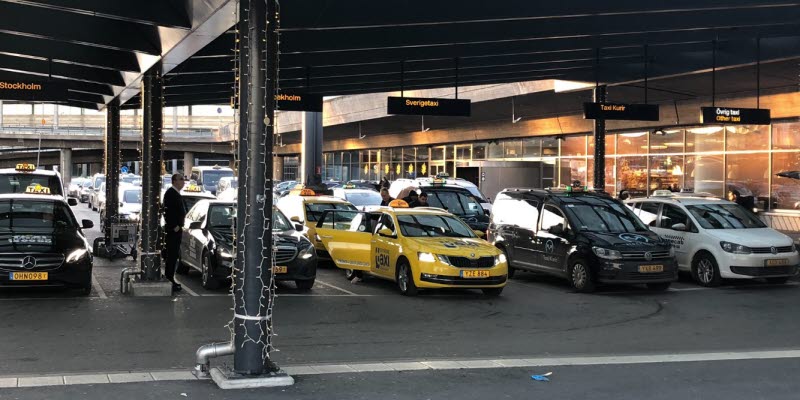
column 32, row 90
column 736, row 116
column 429, row 106
column 624, row 112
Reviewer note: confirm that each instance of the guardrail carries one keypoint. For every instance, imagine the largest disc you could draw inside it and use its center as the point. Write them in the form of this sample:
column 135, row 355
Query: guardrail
column 188, row 133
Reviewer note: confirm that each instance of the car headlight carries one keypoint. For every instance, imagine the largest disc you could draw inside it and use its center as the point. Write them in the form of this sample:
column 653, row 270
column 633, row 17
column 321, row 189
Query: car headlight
column 499, row 259
column 225, row 254
column 426, row 257
column 607, row 254
column 735, row 248
column 307, row 252
column 77, row 255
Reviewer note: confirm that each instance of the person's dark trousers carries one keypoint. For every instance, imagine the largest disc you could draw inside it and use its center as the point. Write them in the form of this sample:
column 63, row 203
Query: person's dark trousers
column 173, row 244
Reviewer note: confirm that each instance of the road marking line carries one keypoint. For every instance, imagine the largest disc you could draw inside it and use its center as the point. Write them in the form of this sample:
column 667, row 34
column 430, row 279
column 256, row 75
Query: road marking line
column 186, row 288
column 336, row 287
column 415, row 365
column 98, row 288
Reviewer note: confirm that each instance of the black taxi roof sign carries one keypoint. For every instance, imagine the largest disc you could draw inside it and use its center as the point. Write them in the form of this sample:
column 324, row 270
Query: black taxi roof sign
column 37, row 189
column 25, row 167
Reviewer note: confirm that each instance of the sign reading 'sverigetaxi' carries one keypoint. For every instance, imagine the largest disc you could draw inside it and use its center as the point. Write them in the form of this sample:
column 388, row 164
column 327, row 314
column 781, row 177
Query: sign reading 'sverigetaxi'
column 429, row 106
column 32, row 90
column 624, row 112
column 736, row 116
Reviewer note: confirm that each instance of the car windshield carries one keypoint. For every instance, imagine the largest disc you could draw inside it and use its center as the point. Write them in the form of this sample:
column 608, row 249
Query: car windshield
column 132, row 196
column 221, row 216
column 211, row 178
column 190, row 201
column 35, row 215
column 279, row 221
column 99, row 181
column 603, row 216
column 364, row 198
column 314, row 210
column 458, row 203
column 724, row 216
column 18, row 183
column 424, row 225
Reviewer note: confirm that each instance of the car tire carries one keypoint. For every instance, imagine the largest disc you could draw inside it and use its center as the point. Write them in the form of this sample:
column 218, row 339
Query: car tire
column 778, row 280
column 351, row 274
column 85, row 289
column 659, row 287
column 705, row 270
column 207, row 274
column 511, row 270
column 492, row 292
column 305, row 284
column 405, row 279
column 580, row 276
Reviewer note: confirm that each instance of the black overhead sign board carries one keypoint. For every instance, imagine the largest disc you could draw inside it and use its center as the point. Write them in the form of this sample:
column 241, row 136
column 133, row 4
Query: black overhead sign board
column 32, row 90
column 429, row 106
column 625, row 112
column 736, row 116
column 293, row 101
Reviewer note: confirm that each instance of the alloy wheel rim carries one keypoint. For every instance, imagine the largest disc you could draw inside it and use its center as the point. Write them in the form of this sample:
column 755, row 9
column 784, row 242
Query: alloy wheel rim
column 402, row 278
column 205, row 271
column 579, row 275
column 349, row 273
column 705, row 271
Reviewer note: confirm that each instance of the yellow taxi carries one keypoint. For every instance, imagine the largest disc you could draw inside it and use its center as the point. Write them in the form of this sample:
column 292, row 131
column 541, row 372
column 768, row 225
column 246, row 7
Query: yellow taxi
column 305, row 207
column 418, row 248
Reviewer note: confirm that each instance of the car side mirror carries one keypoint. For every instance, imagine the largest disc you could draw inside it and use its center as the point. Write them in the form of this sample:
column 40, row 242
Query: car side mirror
column 487, row 212
column 196, row 225
column 679, row 227
column 87, row 224
column 478, row 233
column 386, row 232
column 295, row 219
column 299, row 227
column 72, row 201
column 556, row 229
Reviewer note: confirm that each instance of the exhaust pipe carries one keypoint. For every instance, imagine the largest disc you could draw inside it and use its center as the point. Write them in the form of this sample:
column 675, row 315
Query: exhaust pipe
column 208, row 351
column 125, row 277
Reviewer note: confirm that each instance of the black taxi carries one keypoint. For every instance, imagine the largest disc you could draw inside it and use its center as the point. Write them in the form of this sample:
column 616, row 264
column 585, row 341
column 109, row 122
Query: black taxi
column 585, row 237
column 208, row 239
column 41, row 242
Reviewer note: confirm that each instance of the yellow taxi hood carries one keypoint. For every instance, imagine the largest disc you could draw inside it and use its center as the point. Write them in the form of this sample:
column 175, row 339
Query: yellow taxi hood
column 456, row 246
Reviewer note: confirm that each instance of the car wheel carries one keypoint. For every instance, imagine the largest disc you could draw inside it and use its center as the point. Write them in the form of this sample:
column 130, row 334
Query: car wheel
column 705, row 270
column 207, row 278
column 778, row 281
column 580, row 276
column 405, row 279
column 85, row 289
column 305, row 284
column 511, row 270
column 492, row 292
column 351, row 274
column 659, row 287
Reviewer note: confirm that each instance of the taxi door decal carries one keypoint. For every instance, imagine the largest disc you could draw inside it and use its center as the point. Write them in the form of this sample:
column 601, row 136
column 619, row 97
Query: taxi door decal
column 382, row 259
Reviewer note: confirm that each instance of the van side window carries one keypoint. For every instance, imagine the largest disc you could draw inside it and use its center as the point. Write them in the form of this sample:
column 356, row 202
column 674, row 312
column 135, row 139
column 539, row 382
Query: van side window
column 527, row 213
column 648, row 213
column 502, row 213
column 552, row 216
column 672, row 215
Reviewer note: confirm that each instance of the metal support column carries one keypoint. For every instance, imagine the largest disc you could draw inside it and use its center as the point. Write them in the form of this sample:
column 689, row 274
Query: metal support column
column 253, row 282
column 599, row 142
column 112, row 150
column 65, row 167
column 311, row 156
column 153, row 157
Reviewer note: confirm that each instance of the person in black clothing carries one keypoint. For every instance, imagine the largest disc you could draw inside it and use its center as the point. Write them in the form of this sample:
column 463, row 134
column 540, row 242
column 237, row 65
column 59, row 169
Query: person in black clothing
column 411, row 198
column 385, row 198
column 422, row 201
column 385, row 183
column 174, row 215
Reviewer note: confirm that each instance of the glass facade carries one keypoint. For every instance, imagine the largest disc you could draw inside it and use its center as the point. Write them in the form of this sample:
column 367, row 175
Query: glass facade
column 711, row 159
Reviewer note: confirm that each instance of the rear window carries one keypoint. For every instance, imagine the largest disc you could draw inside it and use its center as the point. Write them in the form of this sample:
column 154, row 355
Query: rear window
column 364, row 198
column 17, row 183
column 314, row 210
column 458, row 203
column 132, row 196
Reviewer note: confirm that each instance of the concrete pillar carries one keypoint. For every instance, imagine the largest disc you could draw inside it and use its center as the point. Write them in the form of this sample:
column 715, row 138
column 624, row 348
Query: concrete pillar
column 277, row 168
column 65, row 166
column 136, row 167
column 311, row 156
column 175, row 119
column 152, row 157
column 55, row 117
column 174, row 166
column 188, row 163
column 599, row 143
column 112, row 157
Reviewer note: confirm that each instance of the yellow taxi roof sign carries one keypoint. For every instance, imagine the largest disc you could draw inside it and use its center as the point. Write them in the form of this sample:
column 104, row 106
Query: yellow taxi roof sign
column 307, row 192
column 398, row 203
column 25, row 167
column 37, row 189
column 193, row 188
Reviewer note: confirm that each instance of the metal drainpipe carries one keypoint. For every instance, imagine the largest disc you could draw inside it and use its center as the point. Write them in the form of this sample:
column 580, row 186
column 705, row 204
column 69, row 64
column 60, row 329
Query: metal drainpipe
column 207, row 352
column 125, row 277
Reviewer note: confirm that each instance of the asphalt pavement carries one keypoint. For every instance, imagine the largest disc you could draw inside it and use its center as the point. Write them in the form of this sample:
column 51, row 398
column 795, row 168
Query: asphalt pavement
column 59, row 332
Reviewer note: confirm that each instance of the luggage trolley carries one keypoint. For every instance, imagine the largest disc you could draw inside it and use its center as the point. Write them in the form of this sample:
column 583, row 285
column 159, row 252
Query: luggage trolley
column 124, row 236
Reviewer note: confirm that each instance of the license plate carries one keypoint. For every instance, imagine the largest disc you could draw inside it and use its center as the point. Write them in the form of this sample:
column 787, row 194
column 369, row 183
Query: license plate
column 777, row 262
column 27, row 276
column 651, row 268
column 280, row 269
column 474, row 274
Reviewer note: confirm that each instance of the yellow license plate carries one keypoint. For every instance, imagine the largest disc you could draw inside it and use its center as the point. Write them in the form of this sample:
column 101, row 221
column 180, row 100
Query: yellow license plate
column 280, row 269
column 777, row 262
column 27, row 276
column 651, row 268
column 474, row 274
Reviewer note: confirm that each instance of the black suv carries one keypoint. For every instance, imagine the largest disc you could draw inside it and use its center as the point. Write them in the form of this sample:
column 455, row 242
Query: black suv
column 457, row 201
column 586, row 237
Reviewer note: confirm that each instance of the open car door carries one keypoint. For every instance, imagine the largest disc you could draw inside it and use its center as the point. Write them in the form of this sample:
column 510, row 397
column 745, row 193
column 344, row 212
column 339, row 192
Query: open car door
column 347, row 235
